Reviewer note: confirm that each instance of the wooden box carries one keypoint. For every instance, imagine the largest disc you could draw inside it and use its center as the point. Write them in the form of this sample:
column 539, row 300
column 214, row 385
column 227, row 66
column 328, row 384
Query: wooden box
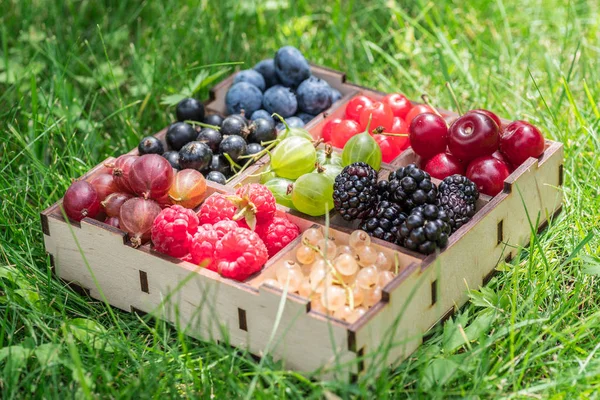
column 98, row 260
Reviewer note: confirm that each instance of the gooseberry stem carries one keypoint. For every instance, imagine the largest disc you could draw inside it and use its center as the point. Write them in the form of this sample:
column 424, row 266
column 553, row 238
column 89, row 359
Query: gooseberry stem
column 251, row 159
column 202, row 124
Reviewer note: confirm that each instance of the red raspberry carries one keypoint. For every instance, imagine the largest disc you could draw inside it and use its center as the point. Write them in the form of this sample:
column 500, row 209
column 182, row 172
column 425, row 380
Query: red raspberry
column 255, row 203
column 222, row 227
column 216, row 208
column 240, row 253
column 203, row 246
column 277, row 234
column 173, row 230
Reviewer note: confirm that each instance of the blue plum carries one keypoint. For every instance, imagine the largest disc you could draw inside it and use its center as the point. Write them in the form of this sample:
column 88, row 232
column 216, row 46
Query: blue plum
column 335, row 95
column 264, row 114
column 291, row 66
column 267, row 69
column 314, row 95
column 251, row 76
column 293, row 122
column 305, row 117
column 280, row 100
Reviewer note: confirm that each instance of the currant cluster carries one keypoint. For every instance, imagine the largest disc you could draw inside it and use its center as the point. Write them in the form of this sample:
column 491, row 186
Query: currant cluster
column 391, row 115
column 407, row 209
column 281, row 85
column 476, row 145
column 341, row 280
column 231, row 235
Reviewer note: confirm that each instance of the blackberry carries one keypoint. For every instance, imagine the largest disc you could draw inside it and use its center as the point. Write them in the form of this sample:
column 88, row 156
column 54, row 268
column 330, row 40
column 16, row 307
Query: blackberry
column 411, row 187
column 355, row 191
column 385, row 222
column 457, row 196
column 425, row 229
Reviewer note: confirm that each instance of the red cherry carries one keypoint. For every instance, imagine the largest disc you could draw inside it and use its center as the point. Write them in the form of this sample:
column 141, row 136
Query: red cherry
column 416, row 110
column 355, row 105
column 473, row 135
column 428, row 134
column 389, row 148
column 327, row 128
column 521, row 140
column 399, row 104
column 381, row 115
column 343, row 131
column 443, row 165
column 489, row 114
column 488, row 173
column 499, row 156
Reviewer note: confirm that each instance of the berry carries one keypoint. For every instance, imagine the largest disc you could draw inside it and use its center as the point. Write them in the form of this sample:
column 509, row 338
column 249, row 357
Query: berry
column 254, row 148
column 343, row 131
column 255, row 203
column 113, row 221
column 195, row 155
column 173, row 230
column 220, row 164
column 217, row 177
column 113, row 202
column 190, row 110
column 355, row 106
column 179, row 134
column 334, row 94
column 411, row 187
column 210, row 137
column 416, row 110
column 425, row 229
column 442, row 165
column 328, row 128
column 399, row 104
column 202, row 247
column 243, row 96
column 251, row 76
column 234, row 146
column 355, row 191
column 521, row 140
column 385, row 222
column 473, row 135
column 150, row 145
column 290, row 66
column 267, row 69
column 280, row 100
column 136, row 217
column 282, row 190
column 216, row 208
column 213, row 119
column 399, row 126
column 306, row 118
column 498, row 155
column 379, row 113
column 388, row 146
column 172, row 157
column 234, row 125
column 293, row 157
column 428, row 134
column 81, row 201
column 314, row 95
column 262, row 130
column 120, row 171
column 292, row 122
column 457, row 196
column 277, row 234
column 151, row 176
column 489, row 114
column 312, row 194
column 261, row 114
column 104, row 184
column 488, row 173
column 188, row 188
column 239, row 254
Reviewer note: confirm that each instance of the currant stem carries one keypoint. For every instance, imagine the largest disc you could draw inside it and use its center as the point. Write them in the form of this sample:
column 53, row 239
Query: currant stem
column 454, row 98
column 203, row 125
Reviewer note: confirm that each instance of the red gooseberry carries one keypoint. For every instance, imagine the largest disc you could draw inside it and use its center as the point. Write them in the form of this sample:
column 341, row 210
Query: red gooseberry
column 188, row 188
column 81, row 201
column 104, row 184
column 136, row 218
column 151, row 176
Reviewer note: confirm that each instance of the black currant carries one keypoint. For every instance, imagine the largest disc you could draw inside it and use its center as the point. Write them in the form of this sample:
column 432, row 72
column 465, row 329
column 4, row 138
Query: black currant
column 233, row 145
column 213, row 119
column 150, row 145
column 211, row 137
column 179, row 134
column 217, row 177
column 195, row 155
column 262, row 130
column 234, row 125
column 254, row 148
column 190, row 110
column 173, row 158
column 219, row 164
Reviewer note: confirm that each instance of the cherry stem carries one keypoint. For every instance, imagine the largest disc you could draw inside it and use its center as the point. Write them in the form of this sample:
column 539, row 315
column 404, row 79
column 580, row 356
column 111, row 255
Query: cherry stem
column 427, row 101
column 454, row 98
column 203, row 125
column 395, row 134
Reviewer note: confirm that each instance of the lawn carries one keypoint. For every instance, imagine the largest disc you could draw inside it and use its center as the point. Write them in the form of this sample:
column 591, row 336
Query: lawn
column 80, row 81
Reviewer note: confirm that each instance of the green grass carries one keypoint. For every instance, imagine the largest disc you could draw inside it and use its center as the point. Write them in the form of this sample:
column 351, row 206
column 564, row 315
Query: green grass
column 80, row 81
